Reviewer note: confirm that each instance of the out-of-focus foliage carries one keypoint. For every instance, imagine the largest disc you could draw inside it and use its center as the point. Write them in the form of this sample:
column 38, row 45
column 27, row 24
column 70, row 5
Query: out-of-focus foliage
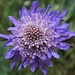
column 63, row 66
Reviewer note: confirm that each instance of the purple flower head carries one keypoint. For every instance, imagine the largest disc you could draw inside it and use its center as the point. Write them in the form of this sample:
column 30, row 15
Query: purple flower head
column 36, row 36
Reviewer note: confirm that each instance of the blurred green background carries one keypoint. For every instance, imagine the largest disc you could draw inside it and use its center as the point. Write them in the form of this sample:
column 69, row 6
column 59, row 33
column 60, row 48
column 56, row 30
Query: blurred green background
column 65, row 65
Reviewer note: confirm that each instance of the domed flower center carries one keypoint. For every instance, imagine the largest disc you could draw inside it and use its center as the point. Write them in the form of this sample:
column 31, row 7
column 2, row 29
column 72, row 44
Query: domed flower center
column 33, row 33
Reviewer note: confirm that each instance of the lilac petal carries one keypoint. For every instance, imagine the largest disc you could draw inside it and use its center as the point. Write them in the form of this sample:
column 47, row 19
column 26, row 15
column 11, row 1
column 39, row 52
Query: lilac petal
column 34, row 7
column 66, row 36
column 41, row 10
column 49, row 55
column 4, row 36
column 13, row 20
column 63, row 38
column 57, row 35
column 59, row 18
column 63, row 46
column 7, row 42
column 63, row 14
column 25, row 64
column 9, row 54
column 14, row 31
column 55, row 54
column 33, row 65
column 11, row 28
column 42, row 67
column 48, row 7
column 23, row 12
column 20, row 66
column 61, row 31
column 54, row 14
column 16, row 48
column 42, row 56
column 49, row 13
column 11, row 35
column 63, row 26
column 49, row 62
column 15, row 60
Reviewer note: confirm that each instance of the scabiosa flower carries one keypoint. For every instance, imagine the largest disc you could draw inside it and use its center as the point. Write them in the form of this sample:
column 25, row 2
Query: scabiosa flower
column 36, row 36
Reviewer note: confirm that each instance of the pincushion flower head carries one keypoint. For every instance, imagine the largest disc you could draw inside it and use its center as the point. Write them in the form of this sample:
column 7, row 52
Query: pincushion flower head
column 36, row 36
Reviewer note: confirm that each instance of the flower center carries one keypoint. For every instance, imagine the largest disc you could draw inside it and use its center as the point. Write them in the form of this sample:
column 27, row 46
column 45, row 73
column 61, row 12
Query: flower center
column 32, row 33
